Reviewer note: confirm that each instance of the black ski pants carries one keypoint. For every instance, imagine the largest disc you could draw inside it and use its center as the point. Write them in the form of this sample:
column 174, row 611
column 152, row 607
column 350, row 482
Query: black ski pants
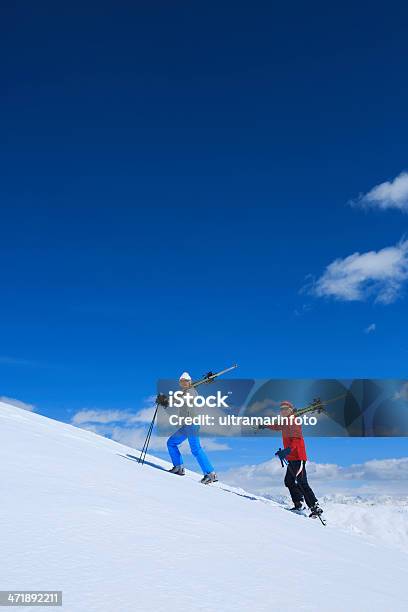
column 297, row 483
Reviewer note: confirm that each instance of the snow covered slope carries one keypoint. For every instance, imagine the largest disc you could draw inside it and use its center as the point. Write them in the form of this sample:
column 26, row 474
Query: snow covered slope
column 380, row 519
column 80, row 516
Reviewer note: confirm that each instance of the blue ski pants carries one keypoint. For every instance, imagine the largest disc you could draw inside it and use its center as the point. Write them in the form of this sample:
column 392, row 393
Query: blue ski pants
column 190, row 433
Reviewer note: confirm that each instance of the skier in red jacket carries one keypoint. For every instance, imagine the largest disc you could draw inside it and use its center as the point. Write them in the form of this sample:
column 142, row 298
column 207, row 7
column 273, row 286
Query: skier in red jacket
column 296, row 477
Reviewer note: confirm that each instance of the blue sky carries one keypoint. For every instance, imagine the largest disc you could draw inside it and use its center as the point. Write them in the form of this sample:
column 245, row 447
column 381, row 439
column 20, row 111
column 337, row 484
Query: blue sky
column 173, row 176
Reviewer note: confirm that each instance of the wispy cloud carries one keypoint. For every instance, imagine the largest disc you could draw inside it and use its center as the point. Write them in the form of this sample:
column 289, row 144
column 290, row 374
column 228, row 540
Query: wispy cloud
column 305, row 308
column 17, row 403
column 380, row 274
column 266, row 478
column 16, row 361
column 390, row 194
column 129, row 428
column 102, row 417
column 370, row 329
column 402, row 393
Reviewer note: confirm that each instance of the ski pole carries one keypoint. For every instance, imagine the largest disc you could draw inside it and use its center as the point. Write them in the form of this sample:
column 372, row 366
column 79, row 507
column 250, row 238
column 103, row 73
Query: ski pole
column 147, row 441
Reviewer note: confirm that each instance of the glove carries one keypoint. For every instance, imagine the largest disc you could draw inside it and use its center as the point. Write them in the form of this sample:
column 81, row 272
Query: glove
column 162, row 400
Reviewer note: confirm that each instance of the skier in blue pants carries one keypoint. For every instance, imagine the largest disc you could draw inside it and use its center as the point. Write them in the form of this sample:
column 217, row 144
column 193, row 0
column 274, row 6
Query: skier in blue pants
column 190, row 433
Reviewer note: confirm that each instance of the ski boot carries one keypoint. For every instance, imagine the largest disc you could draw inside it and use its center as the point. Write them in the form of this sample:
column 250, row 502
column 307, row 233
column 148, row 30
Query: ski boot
column 209, row 478
column 315, row 511
column 298, row 507
column 178, row 470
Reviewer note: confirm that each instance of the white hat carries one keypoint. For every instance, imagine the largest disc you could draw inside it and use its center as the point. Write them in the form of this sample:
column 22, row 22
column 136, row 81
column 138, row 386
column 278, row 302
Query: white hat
column 185, row 376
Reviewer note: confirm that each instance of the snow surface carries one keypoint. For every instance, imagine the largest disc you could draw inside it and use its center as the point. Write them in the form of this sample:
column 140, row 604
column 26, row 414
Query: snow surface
column 383, row 518
column 79, row 515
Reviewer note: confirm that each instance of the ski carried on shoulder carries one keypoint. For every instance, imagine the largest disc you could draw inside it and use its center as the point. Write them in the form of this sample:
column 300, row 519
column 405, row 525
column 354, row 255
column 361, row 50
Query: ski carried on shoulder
column 162, row 400
column 210, row 376
column 318, row 405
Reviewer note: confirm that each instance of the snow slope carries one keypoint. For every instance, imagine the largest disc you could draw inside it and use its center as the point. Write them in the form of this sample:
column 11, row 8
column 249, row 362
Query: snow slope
column 80, row 516
column 379, row 519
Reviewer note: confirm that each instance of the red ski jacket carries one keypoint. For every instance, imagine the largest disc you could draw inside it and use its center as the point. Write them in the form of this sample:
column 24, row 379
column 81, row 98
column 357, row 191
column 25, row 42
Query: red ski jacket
column 293, row 438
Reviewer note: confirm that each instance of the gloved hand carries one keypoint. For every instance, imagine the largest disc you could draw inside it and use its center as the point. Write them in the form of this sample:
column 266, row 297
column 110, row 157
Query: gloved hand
column 162, row 400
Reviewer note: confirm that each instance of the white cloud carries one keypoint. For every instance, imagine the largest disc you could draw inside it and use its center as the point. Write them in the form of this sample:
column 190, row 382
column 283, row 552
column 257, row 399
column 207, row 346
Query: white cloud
column 100, row 416
column 267, row 478
column 130, row 428
column 135, row 437
column 402, row 393
column 143, row 416
column 390, row 194
column 17, row 403
column 266, row 407
column 305, row 308
column 125, row 417
column 212, row 445
column 16, row 361
column 370, row 329
column 381, row 274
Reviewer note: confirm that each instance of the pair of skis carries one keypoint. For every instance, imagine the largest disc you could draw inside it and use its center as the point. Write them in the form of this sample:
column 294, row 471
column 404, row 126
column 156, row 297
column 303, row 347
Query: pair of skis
column 318, row 405
column 206, row 379
column 210, row 377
